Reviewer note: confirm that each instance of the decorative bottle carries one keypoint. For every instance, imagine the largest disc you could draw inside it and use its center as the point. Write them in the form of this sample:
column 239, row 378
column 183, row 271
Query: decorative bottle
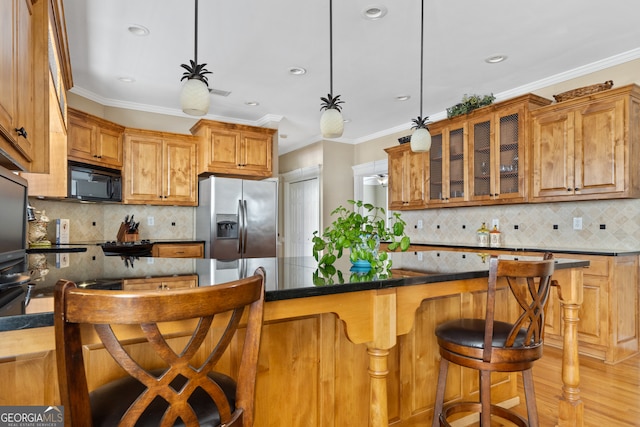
column 483, row 235
column 495, row 236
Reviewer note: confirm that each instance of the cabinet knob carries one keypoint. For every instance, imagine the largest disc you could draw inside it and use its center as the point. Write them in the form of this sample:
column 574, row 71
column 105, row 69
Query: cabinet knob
column 576, row 189
column 568, row 189
column 22, row 132
column 97, row 156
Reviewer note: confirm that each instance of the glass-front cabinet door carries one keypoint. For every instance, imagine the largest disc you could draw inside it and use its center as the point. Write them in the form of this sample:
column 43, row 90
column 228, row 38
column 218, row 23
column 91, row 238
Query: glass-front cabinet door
column 497, row 156
column 448, row 169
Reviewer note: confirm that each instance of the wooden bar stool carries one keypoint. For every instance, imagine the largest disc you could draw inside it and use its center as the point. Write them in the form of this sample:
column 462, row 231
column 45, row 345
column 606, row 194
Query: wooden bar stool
column 184, row 391
column 489, row 345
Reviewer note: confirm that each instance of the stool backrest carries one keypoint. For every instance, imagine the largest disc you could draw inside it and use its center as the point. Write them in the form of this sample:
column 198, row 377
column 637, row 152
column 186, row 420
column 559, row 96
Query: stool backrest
column 529, row 282
column 103, row 308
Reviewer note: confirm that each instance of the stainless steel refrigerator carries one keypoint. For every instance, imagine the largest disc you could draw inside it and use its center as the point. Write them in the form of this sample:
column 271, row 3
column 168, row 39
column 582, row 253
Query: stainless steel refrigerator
column 237, row 218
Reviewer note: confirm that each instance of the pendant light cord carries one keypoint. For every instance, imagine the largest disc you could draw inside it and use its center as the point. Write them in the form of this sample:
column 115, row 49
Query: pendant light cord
column 330, row 47
column 421, row 53
column 195, row 36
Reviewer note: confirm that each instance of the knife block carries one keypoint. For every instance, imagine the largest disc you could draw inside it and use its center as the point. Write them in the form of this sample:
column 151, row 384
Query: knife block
column 123, row 236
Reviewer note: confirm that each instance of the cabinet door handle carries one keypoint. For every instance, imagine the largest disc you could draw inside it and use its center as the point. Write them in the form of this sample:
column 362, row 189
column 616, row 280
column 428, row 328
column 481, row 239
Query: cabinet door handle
column 22, row 132
column 97, row 156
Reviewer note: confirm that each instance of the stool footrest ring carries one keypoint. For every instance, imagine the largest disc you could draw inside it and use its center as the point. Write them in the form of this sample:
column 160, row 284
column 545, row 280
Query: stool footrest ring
column 459, row 407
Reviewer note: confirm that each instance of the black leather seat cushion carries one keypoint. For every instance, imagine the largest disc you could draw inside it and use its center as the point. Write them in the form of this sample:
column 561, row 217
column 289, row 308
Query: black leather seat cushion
column 470, row 333
column 110, row 401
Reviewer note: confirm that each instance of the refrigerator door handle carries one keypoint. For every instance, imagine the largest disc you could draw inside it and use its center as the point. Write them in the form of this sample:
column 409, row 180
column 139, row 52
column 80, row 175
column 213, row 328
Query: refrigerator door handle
column 240, row 226
column 244, row 226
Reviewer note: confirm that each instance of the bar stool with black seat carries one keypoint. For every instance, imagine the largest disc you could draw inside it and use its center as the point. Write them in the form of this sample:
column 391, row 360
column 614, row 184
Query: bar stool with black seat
column 185, row 390
column 490, row 345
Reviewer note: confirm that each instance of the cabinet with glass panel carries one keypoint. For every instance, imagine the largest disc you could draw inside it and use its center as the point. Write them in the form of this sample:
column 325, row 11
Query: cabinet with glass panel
column 480, row 158
column 448, row 171
column 497, row 156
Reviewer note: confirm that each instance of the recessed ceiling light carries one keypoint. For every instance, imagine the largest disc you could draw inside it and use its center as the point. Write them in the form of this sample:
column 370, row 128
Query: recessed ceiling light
column 252, row 103
column 126, row 79
column 138, row 30
column 402, row 97
column 494, row 59
column 297, row 71
column 374, row 12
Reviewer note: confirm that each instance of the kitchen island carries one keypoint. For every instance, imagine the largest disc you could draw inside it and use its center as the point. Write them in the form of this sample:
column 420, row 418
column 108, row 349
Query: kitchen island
column 328, row 341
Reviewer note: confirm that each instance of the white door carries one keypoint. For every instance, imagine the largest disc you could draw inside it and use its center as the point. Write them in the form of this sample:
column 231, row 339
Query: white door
column 302, row 217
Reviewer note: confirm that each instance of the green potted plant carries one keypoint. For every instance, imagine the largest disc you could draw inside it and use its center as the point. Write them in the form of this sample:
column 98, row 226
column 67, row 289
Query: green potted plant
column 360, row 234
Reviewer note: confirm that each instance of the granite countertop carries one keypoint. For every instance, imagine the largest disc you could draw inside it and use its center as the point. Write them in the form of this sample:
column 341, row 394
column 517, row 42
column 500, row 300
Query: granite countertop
column 287, row 278
column 82, row 246
column 557, row 250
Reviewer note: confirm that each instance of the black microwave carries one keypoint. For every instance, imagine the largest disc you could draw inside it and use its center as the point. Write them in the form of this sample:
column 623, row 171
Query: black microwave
column 94, row 183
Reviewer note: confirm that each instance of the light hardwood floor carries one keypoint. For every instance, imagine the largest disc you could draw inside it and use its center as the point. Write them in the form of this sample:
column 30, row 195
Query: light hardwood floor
column 611, row 393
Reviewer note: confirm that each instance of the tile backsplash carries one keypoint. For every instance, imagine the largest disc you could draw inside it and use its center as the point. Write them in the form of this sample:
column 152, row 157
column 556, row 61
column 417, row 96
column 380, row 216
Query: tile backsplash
column 91, row 222
column 606, row 224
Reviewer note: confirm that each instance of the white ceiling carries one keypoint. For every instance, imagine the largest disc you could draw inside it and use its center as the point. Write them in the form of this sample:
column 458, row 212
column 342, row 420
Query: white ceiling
column 249, row 45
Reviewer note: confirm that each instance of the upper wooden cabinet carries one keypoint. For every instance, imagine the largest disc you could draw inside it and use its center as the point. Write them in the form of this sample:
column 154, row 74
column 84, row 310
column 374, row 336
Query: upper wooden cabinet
column 159, row 168
column 24, row 85
column 478, row 158
column 586, row 148
column 448, row 163
column 234, row 150
column 407, row 178
column 94, row 140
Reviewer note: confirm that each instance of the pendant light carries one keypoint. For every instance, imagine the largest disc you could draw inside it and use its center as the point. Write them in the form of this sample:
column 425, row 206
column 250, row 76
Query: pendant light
column 421, row 138
column 331, row 121
column 195, row 96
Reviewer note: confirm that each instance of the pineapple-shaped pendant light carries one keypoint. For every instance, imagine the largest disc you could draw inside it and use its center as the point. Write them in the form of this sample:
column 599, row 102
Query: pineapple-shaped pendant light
column 331, row 121
column 421, row 138
column 195, row 97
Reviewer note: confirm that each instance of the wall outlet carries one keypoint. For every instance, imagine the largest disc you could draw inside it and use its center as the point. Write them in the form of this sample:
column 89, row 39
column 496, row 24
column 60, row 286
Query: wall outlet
column 495, row 223
column 419, row 256
column 577, row 223
column 150, row 220
column 419, row 224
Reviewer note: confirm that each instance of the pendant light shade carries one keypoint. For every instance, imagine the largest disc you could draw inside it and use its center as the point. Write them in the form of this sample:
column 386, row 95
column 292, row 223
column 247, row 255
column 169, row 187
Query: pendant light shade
column 194, row 97
column 420, row 140
column 331, row 123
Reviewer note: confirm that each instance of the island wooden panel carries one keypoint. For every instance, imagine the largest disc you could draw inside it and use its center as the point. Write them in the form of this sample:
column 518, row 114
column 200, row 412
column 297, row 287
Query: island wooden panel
column 331, row 360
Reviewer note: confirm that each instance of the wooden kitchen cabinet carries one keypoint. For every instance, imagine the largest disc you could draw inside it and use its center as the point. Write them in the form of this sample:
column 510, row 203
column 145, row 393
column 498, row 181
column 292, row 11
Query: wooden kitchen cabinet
column 24, row 107
column 609, row 320
column 93, row 140
column 448, row 163
column 234, row 150
column 159, row 168
column 480, row 158
column 587, row 148
column 498, row 151
column 407, row 178
column 160, row 283
column 178, row 250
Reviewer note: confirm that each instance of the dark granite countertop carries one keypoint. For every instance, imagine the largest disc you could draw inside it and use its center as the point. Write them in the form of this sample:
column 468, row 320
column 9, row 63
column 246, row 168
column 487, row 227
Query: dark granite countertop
column 555, row 250
column 287, row 278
